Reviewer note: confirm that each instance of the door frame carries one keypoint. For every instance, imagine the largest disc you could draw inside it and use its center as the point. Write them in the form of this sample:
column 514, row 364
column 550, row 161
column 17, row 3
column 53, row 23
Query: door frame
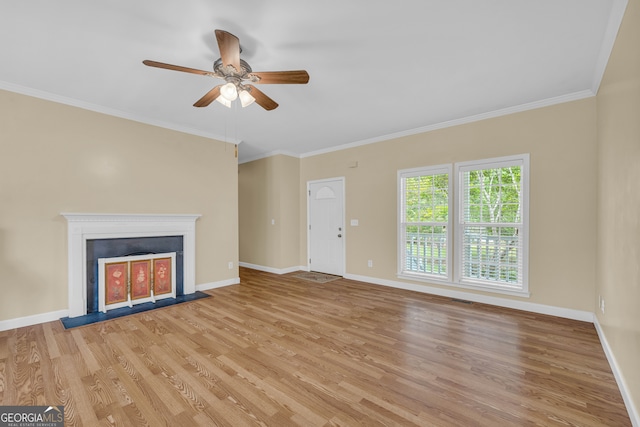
column 341, row 179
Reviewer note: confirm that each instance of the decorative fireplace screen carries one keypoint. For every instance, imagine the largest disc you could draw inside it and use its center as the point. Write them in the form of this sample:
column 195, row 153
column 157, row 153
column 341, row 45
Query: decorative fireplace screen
column 129, row 280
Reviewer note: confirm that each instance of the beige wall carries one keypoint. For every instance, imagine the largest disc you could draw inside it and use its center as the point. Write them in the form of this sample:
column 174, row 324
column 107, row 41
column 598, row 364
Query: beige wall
column 562, row 143
column 618, row 272
column 269, row 203
column 56, row 158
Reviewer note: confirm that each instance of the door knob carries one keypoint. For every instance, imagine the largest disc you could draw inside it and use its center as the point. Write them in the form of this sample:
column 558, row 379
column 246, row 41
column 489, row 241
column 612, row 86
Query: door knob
column 339, row 235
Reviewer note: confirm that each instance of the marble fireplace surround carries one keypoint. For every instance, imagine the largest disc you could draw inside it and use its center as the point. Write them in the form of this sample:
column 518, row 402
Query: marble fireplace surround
column 86, row 226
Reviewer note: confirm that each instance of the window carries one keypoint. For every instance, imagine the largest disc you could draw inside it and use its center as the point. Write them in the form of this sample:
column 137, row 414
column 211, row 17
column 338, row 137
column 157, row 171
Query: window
column 424, row 225
column 490, row 227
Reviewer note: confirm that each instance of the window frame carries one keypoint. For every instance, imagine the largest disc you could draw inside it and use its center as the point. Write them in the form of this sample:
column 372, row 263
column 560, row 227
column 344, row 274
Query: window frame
column 424, row 171
column 521, row 160
column 455, row 225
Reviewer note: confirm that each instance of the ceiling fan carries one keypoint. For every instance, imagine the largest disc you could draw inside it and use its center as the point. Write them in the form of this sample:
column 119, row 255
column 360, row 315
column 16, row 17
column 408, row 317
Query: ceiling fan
column 238, row 75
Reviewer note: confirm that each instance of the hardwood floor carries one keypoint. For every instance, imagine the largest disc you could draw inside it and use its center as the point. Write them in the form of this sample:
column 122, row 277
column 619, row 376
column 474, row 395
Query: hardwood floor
column 279, row 351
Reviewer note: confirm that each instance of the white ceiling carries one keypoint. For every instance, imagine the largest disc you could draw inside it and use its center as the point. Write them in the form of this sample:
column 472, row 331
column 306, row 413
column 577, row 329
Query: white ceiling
column 377, row 69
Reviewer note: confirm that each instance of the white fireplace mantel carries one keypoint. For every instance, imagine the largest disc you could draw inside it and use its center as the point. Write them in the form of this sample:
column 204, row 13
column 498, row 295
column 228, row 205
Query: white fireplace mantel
column 87, row 226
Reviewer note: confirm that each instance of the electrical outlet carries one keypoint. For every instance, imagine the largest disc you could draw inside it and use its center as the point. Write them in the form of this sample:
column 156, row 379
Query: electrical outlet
column 230, row 265
column 602, row 305
column 370, row 263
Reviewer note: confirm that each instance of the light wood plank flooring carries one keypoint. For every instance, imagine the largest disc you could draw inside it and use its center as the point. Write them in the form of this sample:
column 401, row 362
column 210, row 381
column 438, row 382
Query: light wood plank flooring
column 279, row 351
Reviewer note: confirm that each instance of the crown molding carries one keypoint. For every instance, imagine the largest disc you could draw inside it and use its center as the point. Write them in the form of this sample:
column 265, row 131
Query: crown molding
column 613, row 26
column 461, row 121
column 270, row 154
column 450, row 123
column 48, row 96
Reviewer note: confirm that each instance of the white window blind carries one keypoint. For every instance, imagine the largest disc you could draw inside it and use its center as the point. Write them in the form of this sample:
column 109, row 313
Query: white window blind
column 424, row 233
column 492, row 227
column 476, row 238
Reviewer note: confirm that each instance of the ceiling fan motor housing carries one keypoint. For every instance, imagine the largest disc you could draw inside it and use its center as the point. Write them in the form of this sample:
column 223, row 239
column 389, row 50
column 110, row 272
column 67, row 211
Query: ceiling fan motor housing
column 219, row 68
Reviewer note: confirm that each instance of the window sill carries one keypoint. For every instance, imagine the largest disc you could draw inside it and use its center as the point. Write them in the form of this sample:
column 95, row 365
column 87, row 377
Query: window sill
column 464, row 285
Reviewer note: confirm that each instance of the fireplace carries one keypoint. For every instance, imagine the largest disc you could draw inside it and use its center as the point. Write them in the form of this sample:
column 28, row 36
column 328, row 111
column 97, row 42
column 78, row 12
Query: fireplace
column 102, row 249
column 116, row 230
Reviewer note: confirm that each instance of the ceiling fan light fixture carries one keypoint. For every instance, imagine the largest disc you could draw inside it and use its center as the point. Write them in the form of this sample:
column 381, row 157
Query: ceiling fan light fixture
column 224, row 101
column 245, row 98
column 229, row 91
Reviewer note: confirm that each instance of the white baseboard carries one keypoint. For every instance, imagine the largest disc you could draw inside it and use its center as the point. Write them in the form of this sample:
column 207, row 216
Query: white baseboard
column 36, row 319
column 219, row 284
column 634, row 415
column 271, row 269
column 585, row 316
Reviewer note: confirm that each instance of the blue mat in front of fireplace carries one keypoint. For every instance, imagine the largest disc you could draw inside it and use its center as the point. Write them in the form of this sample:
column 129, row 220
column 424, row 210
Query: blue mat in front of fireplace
column 87, row 319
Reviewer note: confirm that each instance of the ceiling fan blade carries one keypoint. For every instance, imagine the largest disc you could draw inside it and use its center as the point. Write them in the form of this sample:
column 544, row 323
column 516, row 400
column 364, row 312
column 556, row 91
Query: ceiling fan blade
column 229, row 49
column 176, row 68
column 209, row 97
column 261, row 99
column 282, row 77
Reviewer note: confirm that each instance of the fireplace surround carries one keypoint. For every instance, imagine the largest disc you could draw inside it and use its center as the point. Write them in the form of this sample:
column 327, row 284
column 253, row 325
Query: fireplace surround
column 82, row 227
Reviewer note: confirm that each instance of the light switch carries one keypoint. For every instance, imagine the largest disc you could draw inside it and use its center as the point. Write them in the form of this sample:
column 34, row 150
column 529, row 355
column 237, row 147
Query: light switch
column 354, row 222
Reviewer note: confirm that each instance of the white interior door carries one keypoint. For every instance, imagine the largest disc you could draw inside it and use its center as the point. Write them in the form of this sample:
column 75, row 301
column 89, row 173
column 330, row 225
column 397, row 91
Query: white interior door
column 326, row 226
